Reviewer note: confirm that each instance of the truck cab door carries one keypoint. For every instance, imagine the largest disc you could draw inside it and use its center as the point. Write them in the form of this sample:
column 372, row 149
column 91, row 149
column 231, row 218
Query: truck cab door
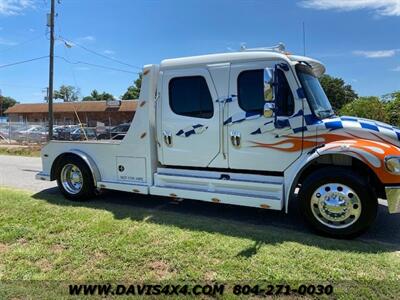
column 269, row 142
column 190, row 118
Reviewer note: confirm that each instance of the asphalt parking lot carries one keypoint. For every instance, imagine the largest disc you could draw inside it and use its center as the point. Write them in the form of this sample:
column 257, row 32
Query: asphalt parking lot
column 19, row 173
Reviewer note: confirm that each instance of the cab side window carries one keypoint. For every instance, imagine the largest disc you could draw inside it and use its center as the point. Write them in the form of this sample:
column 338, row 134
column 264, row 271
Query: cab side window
column 252, row 97
column 284, row 101
column 190, row 97
column 251, row 91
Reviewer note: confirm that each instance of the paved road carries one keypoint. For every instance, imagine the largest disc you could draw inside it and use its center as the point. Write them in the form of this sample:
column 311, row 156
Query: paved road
column 20, row 172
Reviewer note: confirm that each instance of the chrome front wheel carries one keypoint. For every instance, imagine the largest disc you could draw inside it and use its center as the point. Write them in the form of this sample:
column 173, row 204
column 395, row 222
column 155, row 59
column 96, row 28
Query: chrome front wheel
column 71, row 179
column 336, row 205
column 338, row 202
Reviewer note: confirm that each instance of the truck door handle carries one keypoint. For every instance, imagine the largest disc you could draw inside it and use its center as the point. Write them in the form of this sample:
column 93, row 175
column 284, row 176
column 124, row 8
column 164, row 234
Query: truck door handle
column 167, row 137
column 235, row 138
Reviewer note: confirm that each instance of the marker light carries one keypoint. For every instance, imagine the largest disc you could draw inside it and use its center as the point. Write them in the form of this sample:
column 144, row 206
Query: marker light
column 392, row 164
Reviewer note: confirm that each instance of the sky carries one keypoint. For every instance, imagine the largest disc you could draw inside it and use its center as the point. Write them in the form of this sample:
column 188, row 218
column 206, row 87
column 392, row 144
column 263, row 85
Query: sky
column 357, row 40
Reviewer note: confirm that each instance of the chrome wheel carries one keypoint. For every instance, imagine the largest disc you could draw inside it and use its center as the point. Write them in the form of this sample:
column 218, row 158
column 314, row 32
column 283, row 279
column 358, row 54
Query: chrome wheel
column 336, row 205
column 71, row 179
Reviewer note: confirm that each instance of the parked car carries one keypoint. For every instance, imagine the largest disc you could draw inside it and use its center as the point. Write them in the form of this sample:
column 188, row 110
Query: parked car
column 4, row 133
column 80, row 133
column 63, row 133
column 32, row 134
column 116, row 133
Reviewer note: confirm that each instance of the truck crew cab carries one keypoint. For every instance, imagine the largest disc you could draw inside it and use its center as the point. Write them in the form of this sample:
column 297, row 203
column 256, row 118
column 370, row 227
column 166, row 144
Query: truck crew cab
column 251, row 128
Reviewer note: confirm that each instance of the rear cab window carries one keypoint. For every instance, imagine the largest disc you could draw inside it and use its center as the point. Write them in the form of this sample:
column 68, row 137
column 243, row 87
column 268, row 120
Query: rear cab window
column 190, row 96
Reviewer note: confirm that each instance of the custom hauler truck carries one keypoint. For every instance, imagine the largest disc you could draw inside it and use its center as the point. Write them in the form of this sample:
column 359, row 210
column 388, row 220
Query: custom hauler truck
column 251, row 128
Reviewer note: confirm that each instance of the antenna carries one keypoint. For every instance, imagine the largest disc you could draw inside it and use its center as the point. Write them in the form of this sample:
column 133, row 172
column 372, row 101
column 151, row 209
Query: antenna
column 304, row 39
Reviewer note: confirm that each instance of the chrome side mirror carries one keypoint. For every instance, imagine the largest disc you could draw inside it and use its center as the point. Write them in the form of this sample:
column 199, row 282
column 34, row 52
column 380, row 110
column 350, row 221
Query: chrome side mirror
column 268, row 84
column 269, row 108
column 269, row 93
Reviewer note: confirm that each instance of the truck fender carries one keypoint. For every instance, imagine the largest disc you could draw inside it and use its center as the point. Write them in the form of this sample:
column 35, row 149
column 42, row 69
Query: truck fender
column 85, row 157
column 293, row 174
column 371, row 154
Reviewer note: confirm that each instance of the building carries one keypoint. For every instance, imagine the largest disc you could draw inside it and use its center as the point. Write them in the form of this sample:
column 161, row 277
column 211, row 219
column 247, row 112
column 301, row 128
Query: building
column 89, row 112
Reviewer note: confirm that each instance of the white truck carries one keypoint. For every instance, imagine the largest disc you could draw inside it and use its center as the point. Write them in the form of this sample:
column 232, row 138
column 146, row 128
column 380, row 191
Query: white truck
column 251, row 128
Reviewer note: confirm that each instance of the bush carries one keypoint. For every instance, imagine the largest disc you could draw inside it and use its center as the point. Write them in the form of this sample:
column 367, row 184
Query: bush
column 393, row 109
column 367, row 107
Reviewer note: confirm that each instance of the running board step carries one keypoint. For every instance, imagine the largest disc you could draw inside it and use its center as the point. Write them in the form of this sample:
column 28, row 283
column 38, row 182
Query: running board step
column 218, row 197
column 232, row 188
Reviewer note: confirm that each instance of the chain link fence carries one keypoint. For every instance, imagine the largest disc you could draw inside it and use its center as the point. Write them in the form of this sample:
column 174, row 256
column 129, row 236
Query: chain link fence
column 26, row 133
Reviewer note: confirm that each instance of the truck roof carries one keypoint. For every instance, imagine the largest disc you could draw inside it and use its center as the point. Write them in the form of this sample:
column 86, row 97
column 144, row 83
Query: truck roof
column 235, row 57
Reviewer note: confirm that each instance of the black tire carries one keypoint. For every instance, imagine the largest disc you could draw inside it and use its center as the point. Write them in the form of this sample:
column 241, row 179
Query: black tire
column 348, row 178
column 88, row 189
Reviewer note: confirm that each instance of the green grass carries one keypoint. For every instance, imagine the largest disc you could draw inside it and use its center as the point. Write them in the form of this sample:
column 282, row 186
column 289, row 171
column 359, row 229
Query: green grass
column 45, row 238
column 20, row 151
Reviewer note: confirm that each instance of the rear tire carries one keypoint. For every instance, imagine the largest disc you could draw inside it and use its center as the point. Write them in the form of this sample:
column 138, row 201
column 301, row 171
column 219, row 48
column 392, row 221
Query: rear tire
column 74, row 179
column 338, row 202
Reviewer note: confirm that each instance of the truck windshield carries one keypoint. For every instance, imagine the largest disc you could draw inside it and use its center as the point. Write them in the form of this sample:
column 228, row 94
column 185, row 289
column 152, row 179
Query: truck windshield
column 313, row 91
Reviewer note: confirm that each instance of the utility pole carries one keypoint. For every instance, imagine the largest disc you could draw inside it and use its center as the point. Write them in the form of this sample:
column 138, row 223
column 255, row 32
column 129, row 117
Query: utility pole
column 51, row 68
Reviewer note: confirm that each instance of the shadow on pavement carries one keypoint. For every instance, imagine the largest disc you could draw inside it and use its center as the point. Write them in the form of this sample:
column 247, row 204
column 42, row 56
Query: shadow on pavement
column 237, row 221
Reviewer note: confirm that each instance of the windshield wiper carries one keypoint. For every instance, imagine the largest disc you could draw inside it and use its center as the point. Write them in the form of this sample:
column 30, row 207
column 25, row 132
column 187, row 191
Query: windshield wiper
column 327, row 113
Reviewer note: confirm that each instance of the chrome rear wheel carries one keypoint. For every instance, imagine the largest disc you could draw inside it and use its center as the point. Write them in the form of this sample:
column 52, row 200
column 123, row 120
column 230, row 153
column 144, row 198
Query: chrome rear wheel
column 71, row 179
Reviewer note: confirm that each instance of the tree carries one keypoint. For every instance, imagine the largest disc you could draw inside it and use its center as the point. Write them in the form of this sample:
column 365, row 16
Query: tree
column 133, row 91
column 392, row 108
column 366, row 107
column 96, row 96
column 5, row 103
column 338, row 92
column 67, row 93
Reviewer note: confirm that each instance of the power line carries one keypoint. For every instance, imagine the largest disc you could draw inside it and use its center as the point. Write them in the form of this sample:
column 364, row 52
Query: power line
column 72, row 70
column 20, row 85
column 67, row 61
column 99, row 54
column 94, row 65
column 68, row 57
column 23, row 61
column 21, row 43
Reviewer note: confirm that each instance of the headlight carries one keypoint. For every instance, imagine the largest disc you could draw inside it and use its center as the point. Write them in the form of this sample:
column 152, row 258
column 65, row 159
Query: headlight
column 392, row 164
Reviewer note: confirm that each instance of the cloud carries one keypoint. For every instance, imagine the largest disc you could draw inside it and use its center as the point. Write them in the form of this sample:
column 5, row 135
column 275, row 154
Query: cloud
column 88, row 38
column 380, row 7
column 15, row 7
column 397, row 69
column 109, row 52
column 5, row 42
column 376, row 54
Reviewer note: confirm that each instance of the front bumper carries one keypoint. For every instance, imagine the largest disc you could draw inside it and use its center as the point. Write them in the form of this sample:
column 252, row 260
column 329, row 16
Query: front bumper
column 393, row 198
column 42, row 176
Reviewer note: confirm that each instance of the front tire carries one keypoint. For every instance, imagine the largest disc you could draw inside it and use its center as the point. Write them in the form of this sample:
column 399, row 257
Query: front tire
column 338, row 202
column 74, row 179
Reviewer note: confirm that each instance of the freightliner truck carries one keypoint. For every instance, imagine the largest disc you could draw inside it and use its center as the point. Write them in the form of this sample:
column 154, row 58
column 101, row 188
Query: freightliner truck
column 251, row 128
